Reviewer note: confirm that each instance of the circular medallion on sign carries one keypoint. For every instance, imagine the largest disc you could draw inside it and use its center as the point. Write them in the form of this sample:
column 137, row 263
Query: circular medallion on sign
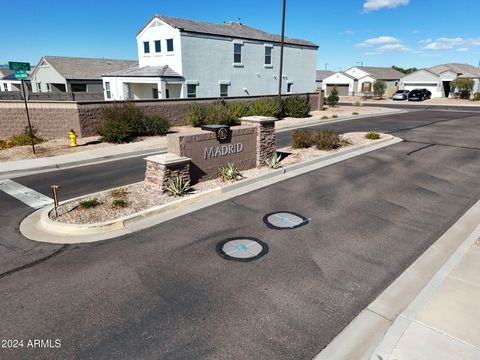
column 222, row 134
column 242, row 249
column 284, row 220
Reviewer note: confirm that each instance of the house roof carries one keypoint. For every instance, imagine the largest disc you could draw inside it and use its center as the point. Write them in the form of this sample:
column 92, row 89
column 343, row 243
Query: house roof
column 322, row 74
column 227, row 29
column 462, row 70
column 382, row 73
column 5, row 72
column 146, row 71
column 75, row 68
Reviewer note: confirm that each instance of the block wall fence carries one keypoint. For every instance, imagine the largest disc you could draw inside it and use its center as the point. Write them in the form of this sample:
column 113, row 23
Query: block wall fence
column 53, row 119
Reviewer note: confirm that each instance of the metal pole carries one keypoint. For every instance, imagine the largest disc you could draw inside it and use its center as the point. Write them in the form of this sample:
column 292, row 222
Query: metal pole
column 24, row 92
column 282, row 43
column 55, row 198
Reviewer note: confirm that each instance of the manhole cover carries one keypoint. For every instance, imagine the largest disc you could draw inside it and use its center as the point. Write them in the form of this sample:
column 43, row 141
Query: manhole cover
column 242, row 249
column 282, row 220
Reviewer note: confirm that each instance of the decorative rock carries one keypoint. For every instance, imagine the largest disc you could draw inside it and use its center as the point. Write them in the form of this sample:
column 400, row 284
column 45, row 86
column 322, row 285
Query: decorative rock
column 266, row 145
column 162, row 168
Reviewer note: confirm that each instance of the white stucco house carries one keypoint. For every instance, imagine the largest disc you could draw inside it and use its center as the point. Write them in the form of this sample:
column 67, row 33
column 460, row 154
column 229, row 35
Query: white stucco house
column 8, row 82
column 179, row 58
column 72, row 74
column 437, row 79
column 321, row 75
column 358, row 80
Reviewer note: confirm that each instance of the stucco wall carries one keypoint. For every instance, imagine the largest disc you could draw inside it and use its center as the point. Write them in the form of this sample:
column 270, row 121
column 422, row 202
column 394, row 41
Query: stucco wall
column 54, row 119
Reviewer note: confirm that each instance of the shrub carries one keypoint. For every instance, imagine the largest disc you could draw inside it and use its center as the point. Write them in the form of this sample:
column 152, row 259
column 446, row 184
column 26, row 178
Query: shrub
column 465, row 86
column 219, row 113
column 229, row 172
column 332, row 99
column 274, row 162
column 357, row 103
column 4, row 144
column 119, row 203
column 327, row 140
column 120, row 192
column 296, row 106
column 238, row 109
column 266, row 107
column 121, row 123
column 87, row 204
column 155, row 125
column 196, row 114
column 178, row 187
column 334, row 116
column 476, row 96
column 355, row 113
column 325, row 117
column 24, row 138
column 379, row 87
column 372, row 135
column 302, row 139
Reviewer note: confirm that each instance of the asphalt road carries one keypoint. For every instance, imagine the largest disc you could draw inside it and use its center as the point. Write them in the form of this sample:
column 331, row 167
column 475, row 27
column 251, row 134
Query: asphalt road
column 164, row 293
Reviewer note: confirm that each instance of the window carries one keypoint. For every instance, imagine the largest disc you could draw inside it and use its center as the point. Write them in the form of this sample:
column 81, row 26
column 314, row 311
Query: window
column 146, row 47
column 108, row 92
column 289, row 87
column 39, row 87
column 169, row 45
column 5, row 87
column 158, row 46
column 268, row 56
column 49, row 89
column 366, row 87
column 155, row 93
column 223, row 90
column 237, row 53
column 191, row 91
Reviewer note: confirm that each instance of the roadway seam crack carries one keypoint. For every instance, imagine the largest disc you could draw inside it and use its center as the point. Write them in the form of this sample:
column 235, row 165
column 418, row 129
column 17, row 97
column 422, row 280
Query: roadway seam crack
column 422, row 148
column 431, row 123
column 34, row 263
column 436, row 144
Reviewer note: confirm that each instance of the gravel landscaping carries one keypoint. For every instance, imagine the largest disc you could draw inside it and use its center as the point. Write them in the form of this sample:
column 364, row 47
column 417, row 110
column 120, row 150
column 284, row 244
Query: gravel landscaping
column 138, row 197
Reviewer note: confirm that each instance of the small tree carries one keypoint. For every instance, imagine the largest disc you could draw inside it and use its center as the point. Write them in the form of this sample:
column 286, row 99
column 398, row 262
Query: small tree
column 465, row 86
column 333, row 98
column 379, row 87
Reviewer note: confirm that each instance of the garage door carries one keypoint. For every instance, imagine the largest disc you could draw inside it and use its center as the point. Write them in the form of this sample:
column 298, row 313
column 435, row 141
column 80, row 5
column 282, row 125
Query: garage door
column 429, row 86
column 341, row 88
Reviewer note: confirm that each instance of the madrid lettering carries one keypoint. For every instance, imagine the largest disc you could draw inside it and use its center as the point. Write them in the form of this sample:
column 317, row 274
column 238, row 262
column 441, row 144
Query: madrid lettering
column 222, row 150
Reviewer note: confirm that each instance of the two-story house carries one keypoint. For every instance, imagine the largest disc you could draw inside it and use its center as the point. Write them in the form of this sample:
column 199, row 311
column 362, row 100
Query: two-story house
column 179, row 58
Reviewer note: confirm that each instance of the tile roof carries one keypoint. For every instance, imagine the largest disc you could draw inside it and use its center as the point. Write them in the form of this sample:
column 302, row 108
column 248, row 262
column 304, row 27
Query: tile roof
column 228, row 29
column 382, row 73
column 75, row 68
column 463, row 70
column 322, row 74
column 146, row 71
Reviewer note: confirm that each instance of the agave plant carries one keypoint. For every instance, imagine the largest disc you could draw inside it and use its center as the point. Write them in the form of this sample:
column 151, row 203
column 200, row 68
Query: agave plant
column 229, row 172
column 178, row 187
column 275, row 161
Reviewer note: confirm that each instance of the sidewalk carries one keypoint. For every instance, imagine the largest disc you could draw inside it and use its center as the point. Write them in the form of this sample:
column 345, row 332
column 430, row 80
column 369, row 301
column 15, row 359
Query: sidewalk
column 146, row 147
column 431, row 311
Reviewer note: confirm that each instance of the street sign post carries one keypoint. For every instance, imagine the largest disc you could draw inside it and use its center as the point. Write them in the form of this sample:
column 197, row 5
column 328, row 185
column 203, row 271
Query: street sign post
column 21, row 72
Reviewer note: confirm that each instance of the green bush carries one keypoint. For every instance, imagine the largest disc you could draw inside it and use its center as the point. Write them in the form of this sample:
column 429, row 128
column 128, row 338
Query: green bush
column 87, row 204
column 4, row 144
column 238, row 109
column 372, row 135
column 155, row 125
column 196, row 114
column 219, row 113
column 119, row 193
column 229, row 172
column 296, row 107
column 357, row 103
column 334, row 116
column 476, row 96
column 302, row 139
column 355, row 113
column 266, row 107
column 119, row 203
column 24, row 138
column 327, row 140
column 332, row 99
column 121, row 123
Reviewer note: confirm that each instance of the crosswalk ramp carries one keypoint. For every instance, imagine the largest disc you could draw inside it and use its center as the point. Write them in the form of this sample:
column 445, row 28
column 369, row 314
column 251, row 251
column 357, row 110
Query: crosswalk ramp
column 26, row 195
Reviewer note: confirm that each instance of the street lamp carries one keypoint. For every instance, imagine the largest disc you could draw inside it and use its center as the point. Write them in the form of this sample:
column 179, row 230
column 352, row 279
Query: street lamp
column 282, row 43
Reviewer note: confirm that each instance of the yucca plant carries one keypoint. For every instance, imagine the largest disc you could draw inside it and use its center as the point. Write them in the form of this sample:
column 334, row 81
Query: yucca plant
column 275, row 161
column 178, row 187
column 229, row 172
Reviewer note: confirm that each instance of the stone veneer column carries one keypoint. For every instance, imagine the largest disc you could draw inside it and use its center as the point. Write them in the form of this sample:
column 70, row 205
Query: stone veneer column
column 266, row 146
column 161, row 168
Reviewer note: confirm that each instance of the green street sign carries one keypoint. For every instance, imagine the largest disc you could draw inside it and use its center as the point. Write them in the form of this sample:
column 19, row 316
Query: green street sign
column 21, row 75
column 18, row 66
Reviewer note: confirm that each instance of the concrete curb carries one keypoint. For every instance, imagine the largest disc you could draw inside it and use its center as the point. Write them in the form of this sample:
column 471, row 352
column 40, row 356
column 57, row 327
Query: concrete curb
column 39, row 227
column 373, row 334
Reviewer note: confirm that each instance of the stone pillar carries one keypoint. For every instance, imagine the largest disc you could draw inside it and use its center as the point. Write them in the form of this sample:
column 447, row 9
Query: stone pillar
column 266, row 146
column 161, row 168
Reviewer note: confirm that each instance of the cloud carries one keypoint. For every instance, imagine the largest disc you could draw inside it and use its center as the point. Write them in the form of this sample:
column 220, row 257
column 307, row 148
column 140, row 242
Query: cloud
column 392, row 48
column 373, row 5
column 450, row 43
column 415, row 32
column 377, row 41
column 463, row 49
column 347, row 32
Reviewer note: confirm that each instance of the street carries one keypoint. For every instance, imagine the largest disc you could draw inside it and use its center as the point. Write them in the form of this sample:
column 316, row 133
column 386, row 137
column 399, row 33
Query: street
column 164, row 293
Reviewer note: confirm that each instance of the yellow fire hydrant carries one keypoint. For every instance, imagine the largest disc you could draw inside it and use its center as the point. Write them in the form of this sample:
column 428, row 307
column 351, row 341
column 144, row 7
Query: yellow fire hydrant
column 73, row 138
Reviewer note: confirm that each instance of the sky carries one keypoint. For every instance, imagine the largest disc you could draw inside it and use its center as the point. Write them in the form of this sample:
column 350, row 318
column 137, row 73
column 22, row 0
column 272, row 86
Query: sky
column 406, row 33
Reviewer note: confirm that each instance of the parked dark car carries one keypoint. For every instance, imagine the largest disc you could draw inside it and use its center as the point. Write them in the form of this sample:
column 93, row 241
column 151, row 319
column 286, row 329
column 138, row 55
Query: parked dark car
column 401, row 95
column 419, row 95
